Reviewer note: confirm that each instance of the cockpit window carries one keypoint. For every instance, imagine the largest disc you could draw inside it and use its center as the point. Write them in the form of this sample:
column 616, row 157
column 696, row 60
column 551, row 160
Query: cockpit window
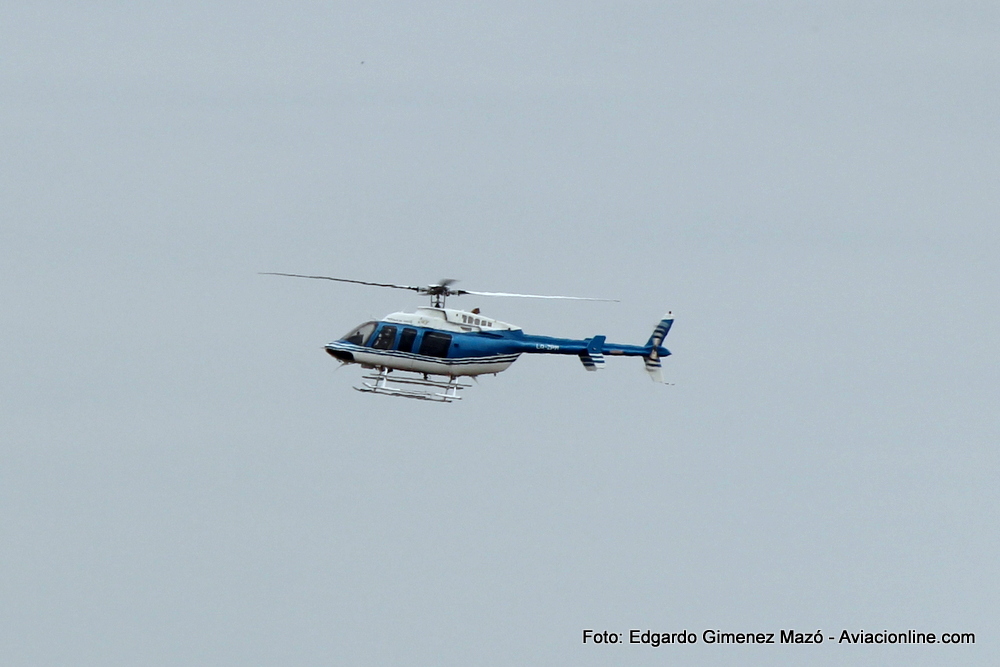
column 359, row 335
column 385, row 338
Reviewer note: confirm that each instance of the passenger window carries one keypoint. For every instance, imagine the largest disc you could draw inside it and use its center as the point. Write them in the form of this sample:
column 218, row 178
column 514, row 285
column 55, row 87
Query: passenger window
column 435, row 344
column 406, row 340
column 385, row 338
column 360, row 334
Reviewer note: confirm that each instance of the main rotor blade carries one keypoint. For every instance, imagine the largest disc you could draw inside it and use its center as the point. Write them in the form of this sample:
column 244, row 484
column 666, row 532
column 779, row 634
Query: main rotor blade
column 532, row 296
column 342, row 280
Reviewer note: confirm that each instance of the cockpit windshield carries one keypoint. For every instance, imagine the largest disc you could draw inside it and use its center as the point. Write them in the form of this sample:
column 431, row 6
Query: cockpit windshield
column 360, row 335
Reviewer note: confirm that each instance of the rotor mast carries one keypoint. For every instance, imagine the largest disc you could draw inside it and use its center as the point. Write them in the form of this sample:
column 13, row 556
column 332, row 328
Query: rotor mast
column 439, row 293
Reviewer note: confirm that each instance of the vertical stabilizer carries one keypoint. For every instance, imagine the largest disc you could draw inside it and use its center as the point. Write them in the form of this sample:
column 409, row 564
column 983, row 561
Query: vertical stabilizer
column 652, row 357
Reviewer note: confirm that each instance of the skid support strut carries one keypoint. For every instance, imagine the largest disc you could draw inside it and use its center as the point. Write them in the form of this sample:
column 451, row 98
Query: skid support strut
column 423, row 388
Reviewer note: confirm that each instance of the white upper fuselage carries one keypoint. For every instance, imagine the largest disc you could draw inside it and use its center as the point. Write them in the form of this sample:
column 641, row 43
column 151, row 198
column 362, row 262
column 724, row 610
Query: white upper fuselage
column 449, row 319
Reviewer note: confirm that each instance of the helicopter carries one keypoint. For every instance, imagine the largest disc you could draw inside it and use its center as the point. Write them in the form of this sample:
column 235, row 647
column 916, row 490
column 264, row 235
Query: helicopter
column 435, row 347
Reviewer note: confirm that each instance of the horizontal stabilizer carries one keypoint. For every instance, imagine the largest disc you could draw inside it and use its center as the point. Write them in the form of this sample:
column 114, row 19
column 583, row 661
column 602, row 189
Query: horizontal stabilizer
column 593, row 357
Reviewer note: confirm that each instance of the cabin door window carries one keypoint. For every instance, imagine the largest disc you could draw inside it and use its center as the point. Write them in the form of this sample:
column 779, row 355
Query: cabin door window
column 406, row 340
column 435, row 344
column 385, row 338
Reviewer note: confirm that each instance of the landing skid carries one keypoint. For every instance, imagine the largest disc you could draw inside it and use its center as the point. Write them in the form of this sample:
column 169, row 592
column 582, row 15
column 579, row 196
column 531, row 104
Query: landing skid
column 381, row 384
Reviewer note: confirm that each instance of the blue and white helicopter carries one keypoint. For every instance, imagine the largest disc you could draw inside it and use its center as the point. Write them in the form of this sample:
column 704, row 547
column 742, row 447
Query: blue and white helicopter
column 439, row 342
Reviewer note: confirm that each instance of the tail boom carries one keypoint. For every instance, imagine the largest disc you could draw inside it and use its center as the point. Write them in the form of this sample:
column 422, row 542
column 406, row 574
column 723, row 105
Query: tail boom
column 592, row 350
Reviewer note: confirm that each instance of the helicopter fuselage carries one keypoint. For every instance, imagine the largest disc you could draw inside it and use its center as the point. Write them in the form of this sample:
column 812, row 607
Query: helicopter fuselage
column 453, row 343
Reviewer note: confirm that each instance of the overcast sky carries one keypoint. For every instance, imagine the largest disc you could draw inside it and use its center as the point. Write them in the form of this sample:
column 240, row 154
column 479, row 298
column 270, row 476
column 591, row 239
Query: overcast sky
column 813, row 190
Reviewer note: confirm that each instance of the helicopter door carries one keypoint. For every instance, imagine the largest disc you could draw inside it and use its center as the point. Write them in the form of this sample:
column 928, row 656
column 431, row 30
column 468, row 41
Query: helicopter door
column 435, row 344
column 385, row 338
column 406, row 340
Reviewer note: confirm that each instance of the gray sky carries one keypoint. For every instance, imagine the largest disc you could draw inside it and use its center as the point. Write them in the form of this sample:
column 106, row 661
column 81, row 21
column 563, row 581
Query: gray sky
column 813, row 191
